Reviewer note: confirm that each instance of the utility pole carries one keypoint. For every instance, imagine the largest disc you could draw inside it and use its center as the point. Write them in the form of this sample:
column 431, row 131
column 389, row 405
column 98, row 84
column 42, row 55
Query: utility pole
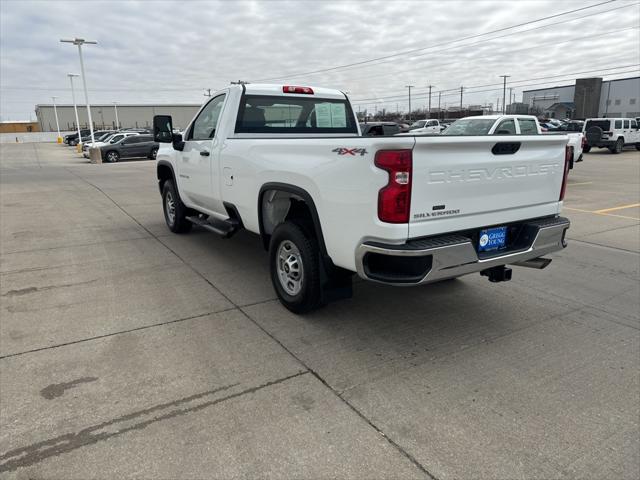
column 409, row 87
column 439, row 98
column 461, row 90
column 504, row 93
column 208, row 94
column 79, row 42
column 75, row 107
column 55, row 111
column 430, row 99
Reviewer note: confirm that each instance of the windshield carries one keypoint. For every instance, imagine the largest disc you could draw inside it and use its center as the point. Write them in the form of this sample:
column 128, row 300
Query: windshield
column 418, row 124
column 105, row 137
column 470, row 126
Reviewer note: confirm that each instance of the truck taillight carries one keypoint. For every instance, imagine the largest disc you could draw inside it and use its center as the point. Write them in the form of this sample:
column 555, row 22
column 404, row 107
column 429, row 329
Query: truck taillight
column 394, row 199
column 296, row 89
column 568, row 155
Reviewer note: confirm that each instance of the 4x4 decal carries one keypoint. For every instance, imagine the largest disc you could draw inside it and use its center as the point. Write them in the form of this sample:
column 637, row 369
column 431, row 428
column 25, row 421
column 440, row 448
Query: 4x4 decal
column 350, row 151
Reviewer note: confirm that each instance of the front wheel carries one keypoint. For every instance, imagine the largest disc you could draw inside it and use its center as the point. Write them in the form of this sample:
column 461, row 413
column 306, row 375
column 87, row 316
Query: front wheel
column 175, row 212
column 154, row 153
column 112, row 156
column 294, row 262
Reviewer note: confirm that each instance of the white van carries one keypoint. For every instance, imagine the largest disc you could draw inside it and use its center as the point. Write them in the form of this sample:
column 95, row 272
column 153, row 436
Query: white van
column 611, row 133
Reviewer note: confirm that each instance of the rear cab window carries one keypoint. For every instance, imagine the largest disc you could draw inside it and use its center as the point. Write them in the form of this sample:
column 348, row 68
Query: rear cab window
column 295, row 115
column 506, row 127
column 528, row 126
column 470, row 126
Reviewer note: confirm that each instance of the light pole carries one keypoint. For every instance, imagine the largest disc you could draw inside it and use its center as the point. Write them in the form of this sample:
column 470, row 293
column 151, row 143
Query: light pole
column 115, row 107
column 75, row 107
column 409, row 87
column 439, row 98
column 55, row 112
column 504, row 93
column 79, row 42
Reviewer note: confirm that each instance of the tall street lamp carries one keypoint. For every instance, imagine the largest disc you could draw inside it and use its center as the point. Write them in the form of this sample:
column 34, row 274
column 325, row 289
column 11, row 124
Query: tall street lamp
column 115, row 107
column 75, row 107
column 55, row 112
column 79, row 42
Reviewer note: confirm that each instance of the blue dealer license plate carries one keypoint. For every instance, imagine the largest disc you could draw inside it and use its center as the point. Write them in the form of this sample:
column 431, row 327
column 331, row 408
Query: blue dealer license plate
column 492, row 239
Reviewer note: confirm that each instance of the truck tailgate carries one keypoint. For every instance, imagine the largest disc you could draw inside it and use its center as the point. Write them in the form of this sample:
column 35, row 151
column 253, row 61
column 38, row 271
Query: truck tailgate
column 475, row 181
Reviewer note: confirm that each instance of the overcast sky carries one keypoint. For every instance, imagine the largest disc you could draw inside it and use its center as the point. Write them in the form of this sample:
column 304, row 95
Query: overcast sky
column 160, row 52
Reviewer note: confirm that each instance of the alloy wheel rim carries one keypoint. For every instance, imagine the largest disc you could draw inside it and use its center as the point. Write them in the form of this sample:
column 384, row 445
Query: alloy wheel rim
column 170, row 208
column 290, row 268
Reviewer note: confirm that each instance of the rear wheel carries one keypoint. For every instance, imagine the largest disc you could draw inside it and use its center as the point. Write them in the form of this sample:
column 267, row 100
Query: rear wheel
column 174, row 210
column 112, row 156
column 586, row 149
column 154, row 153
column 295, row 273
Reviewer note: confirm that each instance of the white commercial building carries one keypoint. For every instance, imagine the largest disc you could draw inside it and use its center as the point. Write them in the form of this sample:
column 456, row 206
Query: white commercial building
column 104, row 116
column 587, row 98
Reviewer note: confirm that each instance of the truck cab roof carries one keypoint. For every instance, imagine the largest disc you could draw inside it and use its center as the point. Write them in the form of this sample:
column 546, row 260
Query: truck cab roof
column 279, row 90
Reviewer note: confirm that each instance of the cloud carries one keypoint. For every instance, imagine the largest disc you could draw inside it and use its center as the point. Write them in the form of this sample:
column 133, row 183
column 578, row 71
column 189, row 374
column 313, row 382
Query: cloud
column 157, row 52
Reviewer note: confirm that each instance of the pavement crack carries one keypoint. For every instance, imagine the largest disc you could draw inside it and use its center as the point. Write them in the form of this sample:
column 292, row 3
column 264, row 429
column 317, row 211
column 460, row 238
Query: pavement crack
column 120, row 332
column 138, row 420
column 369, row 422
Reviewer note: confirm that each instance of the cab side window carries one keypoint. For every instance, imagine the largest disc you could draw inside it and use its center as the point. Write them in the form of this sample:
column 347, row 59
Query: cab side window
column 626, row 124
column 506, row 127
column 528, row 126
column 618, row 124
column 204, row 127
column 634, row 125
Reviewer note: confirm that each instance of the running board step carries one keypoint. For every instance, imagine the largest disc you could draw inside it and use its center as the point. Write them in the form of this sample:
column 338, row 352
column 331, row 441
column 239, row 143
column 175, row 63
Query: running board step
column 224, row 228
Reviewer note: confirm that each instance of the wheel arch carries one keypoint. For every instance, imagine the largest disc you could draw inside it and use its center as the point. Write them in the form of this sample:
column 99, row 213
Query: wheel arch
column 164, row 172
column 295, row 193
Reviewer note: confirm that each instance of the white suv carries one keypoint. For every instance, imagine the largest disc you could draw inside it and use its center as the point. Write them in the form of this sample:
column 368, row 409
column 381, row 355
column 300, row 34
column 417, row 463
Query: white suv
column 611, row 133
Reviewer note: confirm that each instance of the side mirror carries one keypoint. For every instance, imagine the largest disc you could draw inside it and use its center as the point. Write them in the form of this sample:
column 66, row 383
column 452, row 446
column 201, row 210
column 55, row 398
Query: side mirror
column 162, row 129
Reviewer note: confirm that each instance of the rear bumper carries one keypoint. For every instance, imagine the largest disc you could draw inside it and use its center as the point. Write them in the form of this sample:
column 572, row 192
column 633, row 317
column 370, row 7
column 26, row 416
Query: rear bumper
column 446, row 256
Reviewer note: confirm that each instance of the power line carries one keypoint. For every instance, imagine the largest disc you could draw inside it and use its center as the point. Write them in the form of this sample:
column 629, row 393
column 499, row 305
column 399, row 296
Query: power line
column 406, row 52
column 491, row 89
column 537, row 46
column 500, row 83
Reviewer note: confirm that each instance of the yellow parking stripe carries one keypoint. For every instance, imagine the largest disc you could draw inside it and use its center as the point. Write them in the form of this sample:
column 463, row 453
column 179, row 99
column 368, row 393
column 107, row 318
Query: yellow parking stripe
column 598, row 213
column 606, row 210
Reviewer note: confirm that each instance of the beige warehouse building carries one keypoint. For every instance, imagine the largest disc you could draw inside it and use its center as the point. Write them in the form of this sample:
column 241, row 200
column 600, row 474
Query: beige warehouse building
column 104, row 116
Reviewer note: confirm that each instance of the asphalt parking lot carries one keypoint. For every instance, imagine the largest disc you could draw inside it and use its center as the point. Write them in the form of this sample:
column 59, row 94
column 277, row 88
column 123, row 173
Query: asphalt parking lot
column 127, row 351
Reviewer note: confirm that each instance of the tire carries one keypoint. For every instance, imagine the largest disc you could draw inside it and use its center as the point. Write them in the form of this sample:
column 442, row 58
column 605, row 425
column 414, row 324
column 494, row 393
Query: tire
column 586, row 149
column 618, row 146
column 295, row 268
column 112, row 156
column 154, row 153
column 637, row 146
column 174, row 210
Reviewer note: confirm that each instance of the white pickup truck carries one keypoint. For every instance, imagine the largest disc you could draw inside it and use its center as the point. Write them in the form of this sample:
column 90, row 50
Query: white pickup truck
column 288, row 163
column 514, row 125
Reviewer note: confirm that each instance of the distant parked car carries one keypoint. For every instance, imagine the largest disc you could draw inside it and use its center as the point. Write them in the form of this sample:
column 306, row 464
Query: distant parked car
column 132, row 146
column 72, row 138
column 96, row 135
column 611, row 133
column 404, row 127
column 104, row 141
column 380, row 129
column 426, row 126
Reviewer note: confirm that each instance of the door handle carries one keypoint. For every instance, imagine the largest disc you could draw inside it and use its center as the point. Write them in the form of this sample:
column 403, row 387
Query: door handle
column 204, row 153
